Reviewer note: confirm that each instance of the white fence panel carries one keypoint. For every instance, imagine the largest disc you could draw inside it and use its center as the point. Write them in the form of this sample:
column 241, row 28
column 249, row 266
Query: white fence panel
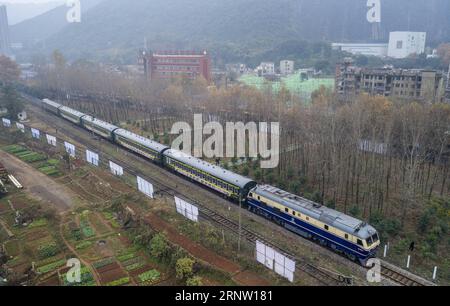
column 6, row 122
column 145, row 187
column 20, row 126
column 115, row 169
column 51, row 140
column 35, row 133
column 186, row 209
column 70, row 148
column 92, row 158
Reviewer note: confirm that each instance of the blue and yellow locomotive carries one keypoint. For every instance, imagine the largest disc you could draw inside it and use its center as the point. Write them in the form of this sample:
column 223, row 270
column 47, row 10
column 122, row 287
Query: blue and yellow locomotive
column 342, row 233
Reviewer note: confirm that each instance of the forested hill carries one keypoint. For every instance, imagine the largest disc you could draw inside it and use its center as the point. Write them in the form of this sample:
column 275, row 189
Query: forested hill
column 116, row 28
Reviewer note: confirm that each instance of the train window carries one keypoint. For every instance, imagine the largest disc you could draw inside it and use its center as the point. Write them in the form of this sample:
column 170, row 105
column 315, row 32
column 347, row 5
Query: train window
column 259, row 198
column 307, row 218
column 326, row 227
column 251, row 194
column 293, row 212
column 359, row 241
column 286, row 210
column 346, row 236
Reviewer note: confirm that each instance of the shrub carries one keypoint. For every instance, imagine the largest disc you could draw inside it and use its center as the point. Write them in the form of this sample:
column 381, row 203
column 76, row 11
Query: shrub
column 159, row 247
column 194, row 281
column 48, row 250
column 184, row 268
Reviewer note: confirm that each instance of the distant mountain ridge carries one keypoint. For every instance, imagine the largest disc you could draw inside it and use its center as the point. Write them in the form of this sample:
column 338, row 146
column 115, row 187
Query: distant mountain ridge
column 115, row 29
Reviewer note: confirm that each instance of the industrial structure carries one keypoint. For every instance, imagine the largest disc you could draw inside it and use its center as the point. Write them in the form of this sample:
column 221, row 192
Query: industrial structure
column 400, row 45
column 403, row 44
column 266, row 69
column 379, row 50
column 410, row 84
column 286, row 67
column 4, row 32
column 170, row 64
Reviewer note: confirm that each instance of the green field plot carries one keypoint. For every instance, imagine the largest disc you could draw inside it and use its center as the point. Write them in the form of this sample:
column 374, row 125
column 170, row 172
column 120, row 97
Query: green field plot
column 51, row 266
column 38, row 223
column 85, row 226
column 86, row 278
column 149, row 277
column 103, row 262
column 119, row 282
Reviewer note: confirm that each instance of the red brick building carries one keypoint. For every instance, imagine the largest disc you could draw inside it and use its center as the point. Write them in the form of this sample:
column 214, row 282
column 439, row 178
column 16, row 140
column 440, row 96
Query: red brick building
column 169, row 64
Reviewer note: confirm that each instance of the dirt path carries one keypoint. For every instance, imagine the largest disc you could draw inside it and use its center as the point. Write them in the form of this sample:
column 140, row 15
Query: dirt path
column 38, row 184
column 245, row 278
column 74, row 251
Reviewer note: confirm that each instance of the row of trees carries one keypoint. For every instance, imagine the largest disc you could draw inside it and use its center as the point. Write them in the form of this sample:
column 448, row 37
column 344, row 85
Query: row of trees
column 372, row 155
column 9, row 76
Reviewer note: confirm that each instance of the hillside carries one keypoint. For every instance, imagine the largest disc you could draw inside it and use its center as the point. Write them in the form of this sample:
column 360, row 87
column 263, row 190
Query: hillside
column 115, row 29
column 36, row 30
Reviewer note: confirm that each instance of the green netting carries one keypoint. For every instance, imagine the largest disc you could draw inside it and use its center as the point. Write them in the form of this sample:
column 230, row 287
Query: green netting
column 293, row 83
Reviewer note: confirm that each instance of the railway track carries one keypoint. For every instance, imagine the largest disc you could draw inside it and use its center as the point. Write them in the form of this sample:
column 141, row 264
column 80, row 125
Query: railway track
column 398, row 277
column 323, row 276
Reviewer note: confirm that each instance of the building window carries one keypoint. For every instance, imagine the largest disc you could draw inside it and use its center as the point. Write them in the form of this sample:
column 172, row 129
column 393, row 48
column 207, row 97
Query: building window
column 399, row 44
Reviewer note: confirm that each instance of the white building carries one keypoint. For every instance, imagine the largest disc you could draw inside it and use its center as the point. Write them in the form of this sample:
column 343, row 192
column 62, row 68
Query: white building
column 380, row 50
column 266, row 68
column 287, row 67
column 403, row 44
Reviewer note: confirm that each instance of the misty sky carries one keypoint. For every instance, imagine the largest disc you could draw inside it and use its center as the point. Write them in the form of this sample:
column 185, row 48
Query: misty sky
column 19, row 10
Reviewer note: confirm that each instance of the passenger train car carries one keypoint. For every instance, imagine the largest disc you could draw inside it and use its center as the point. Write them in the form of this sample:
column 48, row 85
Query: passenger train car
column 99, row 127
column 140, row 145
column 232, row 185
column 342, row 233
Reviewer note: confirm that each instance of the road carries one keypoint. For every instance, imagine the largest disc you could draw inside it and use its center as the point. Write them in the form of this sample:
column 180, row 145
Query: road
column 37, row 184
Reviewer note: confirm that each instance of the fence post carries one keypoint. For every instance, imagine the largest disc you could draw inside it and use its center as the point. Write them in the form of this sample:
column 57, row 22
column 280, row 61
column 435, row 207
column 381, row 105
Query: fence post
column 434, row 272
column 408, row 261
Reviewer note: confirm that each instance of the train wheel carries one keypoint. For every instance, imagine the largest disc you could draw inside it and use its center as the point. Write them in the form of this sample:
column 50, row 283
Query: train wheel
column 350, row 256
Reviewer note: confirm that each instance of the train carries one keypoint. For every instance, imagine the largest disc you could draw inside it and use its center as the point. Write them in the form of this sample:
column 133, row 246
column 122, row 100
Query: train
column 342, row 233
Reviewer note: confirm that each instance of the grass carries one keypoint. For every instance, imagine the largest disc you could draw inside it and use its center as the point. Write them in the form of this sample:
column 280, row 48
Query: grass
column 149, row 276
column 51, row 266
column 83, row 245
column 119, row 282
column 38, row 223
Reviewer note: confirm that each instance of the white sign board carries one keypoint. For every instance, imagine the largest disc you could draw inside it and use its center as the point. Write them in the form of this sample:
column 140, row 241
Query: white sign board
column 186, row 209
column 275, row 261
column 6, row 122
column 145, row 187
column 20, row 126
column 115, row 169
column 51, row 140
column 70, row 148
column 92, row 158
column 35, row 133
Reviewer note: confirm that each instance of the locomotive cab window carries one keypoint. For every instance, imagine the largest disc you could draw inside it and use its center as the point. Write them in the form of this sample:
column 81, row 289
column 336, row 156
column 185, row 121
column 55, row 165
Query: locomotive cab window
column 359, row 241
